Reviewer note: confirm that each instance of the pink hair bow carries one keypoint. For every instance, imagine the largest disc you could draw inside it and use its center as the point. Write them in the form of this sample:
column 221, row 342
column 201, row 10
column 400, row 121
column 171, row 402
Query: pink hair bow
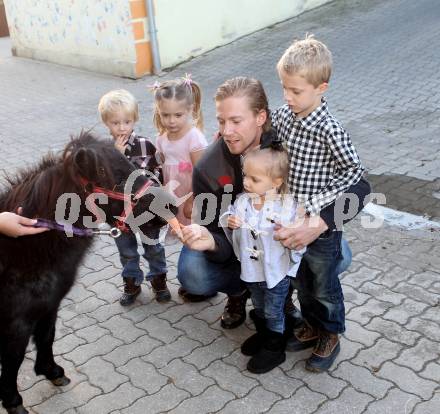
column 187, row 80
column 185, row 166
column 154, row 86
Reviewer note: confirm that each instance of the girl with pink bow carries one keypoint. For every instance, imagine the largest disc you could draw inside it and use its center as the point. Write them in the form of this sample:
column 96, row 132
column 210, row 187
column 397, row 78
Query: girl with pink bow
column 178, row 119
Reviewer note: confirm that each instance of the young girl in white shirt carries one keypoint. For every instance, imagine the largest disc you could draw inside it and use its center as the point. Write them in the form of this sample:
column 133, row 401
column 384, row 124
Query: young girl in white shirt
column 266, row 265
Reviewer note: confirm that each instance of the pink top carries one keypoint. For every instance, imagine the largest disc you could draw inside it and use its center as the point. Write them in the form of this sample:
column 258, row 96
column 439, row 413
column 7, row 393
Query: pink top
column 177, row 167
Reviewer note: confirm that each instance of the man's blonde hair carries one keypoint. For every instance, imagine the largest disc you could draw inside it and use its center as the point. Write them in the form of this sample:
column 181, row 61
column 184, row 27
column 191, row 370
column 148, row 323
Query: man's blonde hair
column 118, row 100
column 309, row 58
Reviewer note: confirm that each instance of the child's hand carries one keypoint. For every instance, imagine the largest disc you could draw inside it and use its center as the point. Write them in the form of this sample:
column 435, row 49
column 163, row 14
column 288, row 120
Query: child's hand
column 234, row 222
column 121, row 143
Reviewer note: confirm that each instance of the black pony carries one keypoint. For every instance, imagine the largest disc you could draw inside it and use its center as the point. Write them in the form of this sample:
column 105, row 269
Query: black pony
column 37, row 271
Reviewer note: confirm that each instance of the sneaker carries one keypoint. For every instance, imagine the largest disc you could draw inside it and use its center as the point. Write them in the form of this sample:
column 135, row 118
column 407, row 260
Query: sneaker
column 131, row 291
column 235, row 311
column 160, row 288
column 304, row 337
column 191, row 297
column 325, row 352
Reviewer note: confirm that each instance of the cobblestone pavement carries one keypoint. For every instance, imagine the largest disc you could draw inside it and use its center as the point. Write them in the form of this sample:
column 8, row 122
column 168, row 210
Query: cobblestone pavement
column 151, row 357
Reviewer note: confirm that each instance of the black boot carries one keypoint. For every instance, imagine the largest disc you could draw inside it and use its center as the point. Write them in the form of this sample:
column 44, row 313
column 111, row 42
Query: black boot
column 160, row 288
column 131, row 291
column 271, row 354
column 254, row 343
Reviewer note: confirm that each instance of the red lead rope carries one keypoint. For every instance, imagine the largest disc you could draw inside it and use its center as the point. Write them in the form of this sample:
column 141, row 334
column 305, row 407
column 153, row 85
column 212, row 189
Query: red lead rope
column 116, row 195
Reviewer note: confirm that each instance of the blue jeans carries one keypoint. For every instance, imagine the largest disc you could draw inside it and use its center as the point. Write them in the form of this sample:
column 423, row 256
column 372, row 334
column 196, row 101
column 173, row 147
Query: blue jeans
column 319, row 289
column 269, row 303
column 128, row 254
column 200, row 276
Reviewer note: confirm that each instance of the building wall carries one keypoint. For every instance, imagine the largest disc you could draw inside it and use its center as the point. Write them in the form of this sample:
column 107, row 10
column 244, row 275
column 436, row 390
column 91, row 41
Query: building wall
column 111, row 36
column 90, row 34
column 191, row 27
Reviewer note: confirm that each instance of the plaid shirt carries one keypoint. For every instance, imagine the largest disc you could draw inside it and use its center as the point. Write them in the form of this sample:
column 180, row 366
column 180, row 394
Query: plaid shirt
column 323, row 160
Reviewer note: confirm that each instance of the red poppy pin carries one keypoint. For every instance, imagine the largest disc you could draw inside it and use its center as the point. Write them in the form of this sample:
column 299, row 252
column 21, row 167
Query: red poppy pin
column 225, row 179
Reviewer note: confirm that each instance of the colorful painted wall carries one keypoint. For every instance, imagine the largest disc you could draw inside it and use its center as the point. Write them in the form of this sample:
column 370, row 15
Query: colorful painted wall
column 111, row 36
column 98, row 35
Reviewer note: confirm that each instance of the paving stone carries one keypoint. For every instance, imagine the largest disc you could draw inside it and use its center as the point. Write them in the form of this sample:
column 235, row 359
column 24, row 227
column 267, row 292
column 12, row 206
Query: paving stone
column 124, row 352
column 431, row 406
column 186, row 376
column 79, row 322
column 162, row 355
column 86, row 306
column 78, row 293
column 67, row 344
column 354, row 295
column 91, row 277
column 213, row 399
column 103, row 312
column 105, row 291
column 362, row 380
column 257, row 401
column 393, row 331
column 303, row 401
column 396, row 401
column 203, row 356
column 83, row 353
column 92, row 333
column 163, row 401
column 407, row 309
column 102, row 374
column 394, row 276
column 59, row 403
column 419, row 355
column 123, row 329
column 358, row 278
column 197, row 330
column 237, row 359
column 407, row 380
column 349, row 402
column 382, row 293
column 364, row 313
column 143, row 375
column 431, row 371
column 373, row 357
column 159, row 329
column 120, row 398
column 229, row 378
column 417, row 293
column 184, row 310
column 355, row 332
column 323, row 383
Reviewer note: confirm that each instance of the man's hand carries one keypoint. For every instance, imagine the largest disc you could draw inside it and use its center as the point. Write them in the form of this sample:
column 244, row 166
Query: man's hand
column 197, row 237
column 301, row 233
column 234, row 222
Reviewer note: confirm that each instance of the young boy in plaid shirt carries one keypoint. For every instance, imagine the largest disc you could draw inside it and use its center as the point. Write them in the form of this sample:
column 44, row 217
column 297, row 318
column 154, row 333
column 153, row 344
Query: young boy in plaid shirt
column 323, row 166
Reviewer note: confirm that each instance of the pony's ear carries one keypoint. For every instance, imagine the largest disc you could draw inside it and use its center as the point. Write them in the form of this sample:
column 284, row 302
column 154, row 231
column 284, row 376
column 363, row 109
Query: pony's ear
column 85, row 162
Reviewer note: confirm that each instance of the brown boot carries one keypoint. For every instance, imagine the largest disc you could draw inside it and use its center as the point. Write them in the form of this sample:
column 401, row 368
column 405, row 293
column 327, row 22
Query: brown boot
column 325, row 352
column 235, row 311
column 131, row 291
column 160, row 289
column 304, row 337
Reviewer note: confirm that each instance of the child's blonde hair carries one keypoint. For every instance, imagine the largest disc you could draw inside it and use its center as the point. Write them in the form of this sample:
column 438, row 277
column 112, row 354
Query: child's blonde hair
column 118, row 100
column 184, row 89
column 309, row 58
column 274, row 161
